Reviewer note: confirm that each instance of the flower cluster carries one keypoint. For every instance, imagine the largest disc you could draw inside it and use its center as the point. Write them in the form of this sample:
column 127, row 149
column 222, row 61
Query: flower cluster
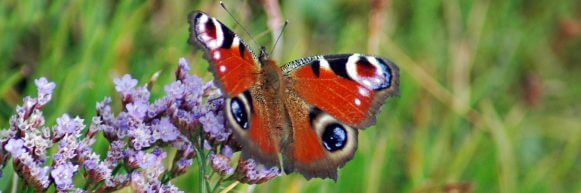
column 188, row 119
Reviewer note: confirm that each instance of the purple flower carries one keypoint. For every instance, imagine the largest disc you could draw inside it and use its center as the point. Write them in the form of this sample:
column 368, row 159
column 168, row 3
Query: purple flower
column 170, row 188
column 175, row 90
column 184, row 146
column 183, row 65
column 183, row 69
column 141, row 94
column 78, row 190
column 207, row 145
column 116, row 182
column 15, row 147
column 91, row 163
column 26, row 109
column 249, row 171
column 102, row 172
column 226, row 151
column 45, row 89
column 269, row 173
column 141, row 127
column 194, row 92
column 221, row 164
column 137, row 180
column 44, row 86
column 115, row 152
column 158, row 107
column 214, row 126
column 136, row 111
column 140, row 183
column 124, row 84
column 37, row 176
column 181, row 165
column 121, row 127
column 194, row 82
column 165, row 130
column 140, row 137
column 37, row 142
column 67, row 126
column 151, row 167
column 68, row 147
column 104, row 110
column 63, row 176
column 151, row 163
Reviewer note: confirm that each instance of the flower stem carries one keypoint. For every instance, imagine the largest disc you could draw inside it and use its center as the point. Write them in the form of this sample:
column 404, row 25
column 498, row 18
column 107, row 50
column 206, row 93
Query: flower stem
column 230, row 187
column 201, row 164
column 217, row 185
column 15, row 179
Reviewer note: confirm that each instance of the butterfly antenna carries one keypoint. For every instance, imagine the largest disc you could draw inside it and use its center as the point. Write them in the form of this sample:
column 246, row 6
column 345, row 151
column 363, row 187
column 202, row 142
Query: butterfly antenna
column 242, row 26
column 279, row 35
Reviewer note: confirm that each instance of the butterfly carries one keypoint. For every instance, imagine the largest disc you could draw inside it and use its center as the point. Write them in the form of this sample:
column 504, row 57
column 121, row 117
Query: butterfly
column 309, row 110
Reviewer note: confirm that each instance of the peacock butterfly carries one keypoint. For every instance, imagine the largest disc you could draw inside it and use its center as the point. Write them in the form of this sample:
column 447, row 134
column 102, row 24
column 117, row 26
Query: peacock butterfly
column 309, row 110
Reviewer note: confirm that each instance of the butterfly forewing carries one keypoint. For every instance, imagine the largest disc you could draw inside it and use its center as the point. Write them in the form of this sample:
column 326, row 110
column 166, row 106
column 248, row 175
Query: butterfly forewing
column 248, row 109
column 232, row 63
column 350, row 87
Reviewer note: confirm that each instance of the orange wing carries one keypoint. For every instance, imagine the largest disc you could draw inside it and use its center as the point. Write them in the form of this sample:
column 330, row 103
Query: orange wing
column 254, row 120
column 327, row 97
column 319, row 144
column 231, row 62
column 350, row 87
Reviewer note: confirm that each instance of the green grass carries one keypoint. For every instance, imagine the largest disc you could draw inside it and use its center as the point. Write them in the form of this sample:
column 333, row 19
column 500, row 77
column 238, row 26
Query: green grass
column 467, row 68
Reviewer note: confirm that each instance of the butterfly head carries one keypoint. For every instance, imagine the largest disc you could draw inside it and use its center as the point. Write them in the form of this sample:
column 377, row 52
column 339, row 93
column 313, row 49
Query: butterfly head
column 263, row 55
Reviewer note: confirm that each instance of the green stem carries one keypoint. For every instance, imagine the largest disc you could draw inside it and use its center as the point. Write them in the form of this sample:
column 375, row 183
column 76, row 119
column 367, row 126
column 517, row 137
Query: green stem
column 88, row 184
column 218, row 184
column 116, row 169
column 201, row 164
column 15, row 184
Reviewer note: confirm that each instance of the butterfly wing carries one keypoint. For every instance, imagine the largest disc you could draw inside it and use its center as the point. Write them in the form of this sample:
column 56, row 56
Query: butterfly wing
column 349, row 87
column 319, row 144
column 232, row 63
column 327, row 99
column 253, row 120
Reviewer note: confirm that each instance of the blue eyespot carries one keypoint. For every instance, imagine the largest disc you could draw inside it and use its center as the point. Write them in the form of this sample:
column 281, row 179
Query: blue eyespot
column 238, row 111
column 334, row 137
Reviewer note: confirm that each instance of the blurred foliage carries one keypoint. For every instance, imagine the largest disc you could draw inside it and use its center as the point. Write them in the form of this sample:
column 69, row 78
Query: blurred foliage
column 489, row 96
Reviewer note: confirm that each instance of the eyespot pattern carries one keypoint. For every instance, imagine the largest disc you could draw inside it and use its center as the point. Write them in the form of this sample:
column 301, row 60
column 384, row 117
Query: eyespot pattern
column 238, row 111
column 334, row 137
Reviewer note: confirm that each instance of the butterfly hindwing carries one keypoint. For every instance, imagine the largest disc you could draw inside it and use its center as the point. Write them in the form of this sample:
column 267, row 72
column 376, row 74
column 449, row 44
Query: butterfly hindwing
column 257, row 124
column 349, row 87
column 318, row 144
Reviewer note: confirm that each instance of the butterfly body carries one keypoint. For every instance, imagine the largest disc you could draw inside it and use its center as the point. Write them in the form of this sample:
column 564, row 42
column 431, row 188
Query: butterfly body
column 308, row 110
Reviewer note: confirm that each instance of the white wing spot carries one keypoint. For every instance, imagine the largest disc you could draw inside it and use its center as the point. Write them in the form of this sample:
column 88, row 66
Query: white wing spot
column 363, row 92
column 357, row 102
column 222, row 68
column 216, row 55
column 219, row 35
column 324, row 64
column 202, row 23
column 236, row 42
column 351, row 66
column 367, row 83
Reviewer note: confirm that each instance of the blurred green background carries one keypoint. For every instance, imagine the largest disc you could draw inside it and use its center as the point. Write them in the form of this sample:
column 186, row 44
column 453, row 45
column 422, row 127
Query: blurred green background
column 489, row 96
